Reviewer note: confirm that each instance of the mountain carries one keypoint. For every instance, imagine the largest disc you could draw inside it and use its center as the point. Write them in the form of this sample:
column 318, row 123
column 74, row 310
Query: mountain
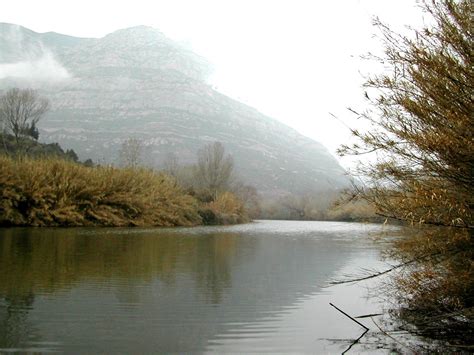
column 136, row 82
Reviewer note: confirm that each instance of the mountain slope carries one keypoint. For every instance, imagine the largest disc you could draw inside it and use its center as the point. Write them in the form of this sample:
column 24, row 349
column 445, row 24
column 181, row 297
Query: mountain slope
column 136, row 82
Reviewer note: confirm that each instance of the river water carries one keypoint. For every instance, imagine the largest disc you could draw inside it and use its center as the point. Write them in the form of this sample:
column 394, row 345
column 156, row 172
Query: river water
column 257, row 287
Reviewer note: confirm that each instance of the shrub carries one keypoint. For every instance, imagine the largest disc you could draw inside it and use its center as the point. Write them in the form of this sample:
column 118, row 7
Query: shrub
column 227, row 208
column 52, row 192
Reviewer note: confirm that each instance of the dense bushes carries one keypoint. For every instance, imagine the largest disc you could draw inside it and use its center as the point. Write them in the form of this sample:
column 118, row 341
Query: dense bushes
column 51, row 192
column 322, row 206
column 225, row 209
column 421, row 131
column 353, row 211
column 55, row 192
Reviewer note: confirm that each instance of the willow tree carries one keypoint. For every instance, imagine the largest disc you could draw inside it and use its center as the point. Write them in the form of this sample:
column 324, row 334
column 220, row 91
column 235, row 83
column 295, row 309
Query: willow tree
column 421, row 120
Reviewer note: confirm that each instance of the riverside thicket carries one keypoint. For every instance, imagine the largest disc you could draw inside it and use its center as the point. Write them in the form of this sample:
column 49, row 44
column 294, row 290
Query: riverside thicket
column 54, row 192
column 422, row 130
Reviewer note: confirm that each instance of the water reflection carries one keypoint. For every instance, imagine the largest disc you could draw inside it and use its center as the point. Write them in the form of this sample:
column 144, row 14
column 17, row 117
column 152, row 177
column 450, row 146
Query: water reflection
column 186, row 290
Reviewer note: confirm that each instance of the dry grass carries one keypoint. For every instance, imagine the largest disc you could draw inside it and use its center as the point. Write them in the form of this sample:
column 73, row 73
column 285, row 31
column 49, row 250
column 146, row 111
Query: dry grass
column 347, row 209
column 225, row 209
column 51, row 192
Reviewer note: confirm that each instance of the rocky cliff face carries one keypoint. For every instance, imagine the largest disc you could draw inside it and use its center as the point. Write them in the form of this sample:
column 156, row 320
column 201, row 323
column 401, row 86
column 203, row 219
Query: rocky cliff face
column 138, row 83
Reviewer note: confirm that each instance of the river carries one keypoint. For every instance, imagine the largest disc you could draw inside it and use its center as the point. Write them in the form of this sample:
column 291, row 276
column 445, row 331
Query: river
column 257, row 287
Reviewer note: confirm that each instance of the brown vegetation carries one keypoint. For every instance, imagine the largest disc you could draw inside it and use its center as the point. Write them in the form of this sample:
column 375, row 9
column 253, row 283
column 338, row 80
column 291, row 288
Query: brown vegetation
column 57, row 192
column 322, row 206
column 354, row 211
column 422, row 130
column 422, row 122
column 50, row 192
column 436, row 292
column 226, row 209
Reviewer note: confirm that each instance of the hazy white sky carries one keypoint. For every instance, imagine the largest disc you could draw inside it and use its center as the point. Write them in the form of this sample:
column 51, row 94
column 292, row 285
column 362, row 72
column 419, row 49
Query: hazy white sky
column 295, row 60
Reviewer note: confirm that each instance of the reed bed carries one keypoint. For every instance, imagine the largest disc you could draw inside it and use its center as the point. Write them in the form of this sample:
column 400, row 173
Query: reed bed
column 54, row 192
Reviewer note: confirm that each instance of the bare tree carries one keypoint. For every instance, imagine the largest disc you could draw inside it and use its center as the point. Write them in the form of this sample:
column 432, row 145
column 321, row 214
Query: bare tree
column 131, row 152
column 214, row 169
column 171, row 165
column 249, row 197
column 20, row 111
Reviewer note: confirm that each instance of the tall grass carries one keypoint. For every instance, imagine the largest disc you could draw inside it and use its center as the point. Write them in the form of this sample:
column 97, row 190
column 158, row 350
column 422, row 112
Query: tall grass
column 226, row 209
column 52, row 192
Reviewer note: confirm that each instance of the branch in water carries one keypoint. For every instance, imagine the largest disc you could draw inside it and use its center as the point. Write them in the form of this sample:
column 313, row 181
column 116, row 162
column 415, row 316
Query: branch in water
column 363, row 326
column 383, row 272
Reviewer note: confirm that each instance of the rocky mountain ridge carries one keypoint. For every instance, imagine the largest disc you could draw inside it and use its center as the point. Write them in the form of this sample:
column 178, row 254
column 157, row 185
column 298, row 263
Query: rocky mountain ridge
column 138, row 83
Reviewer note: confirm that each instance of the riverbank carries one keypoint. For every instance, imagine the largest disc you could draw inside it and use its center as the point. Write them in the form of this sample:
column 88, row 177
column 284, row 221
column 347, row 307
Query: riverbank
column 55, row 192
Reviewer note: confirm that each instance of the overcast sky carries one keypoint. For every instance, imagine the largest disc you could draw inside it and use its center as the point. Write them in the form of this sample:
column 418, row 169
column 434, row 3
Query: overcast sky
column 295, row 60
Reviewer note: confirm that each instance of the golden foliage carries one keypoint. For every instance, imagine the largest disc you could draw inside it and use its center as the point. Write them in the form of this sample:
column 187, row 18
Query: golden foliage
column 353, row 210
column 422, row 130
column 422, row 123
column 51, row 192
column 228, row 209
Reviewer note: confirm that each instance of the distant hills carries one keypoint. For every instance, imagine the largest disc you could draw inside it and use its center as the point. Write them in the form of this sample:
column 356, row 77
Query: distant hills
column 136, row 82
